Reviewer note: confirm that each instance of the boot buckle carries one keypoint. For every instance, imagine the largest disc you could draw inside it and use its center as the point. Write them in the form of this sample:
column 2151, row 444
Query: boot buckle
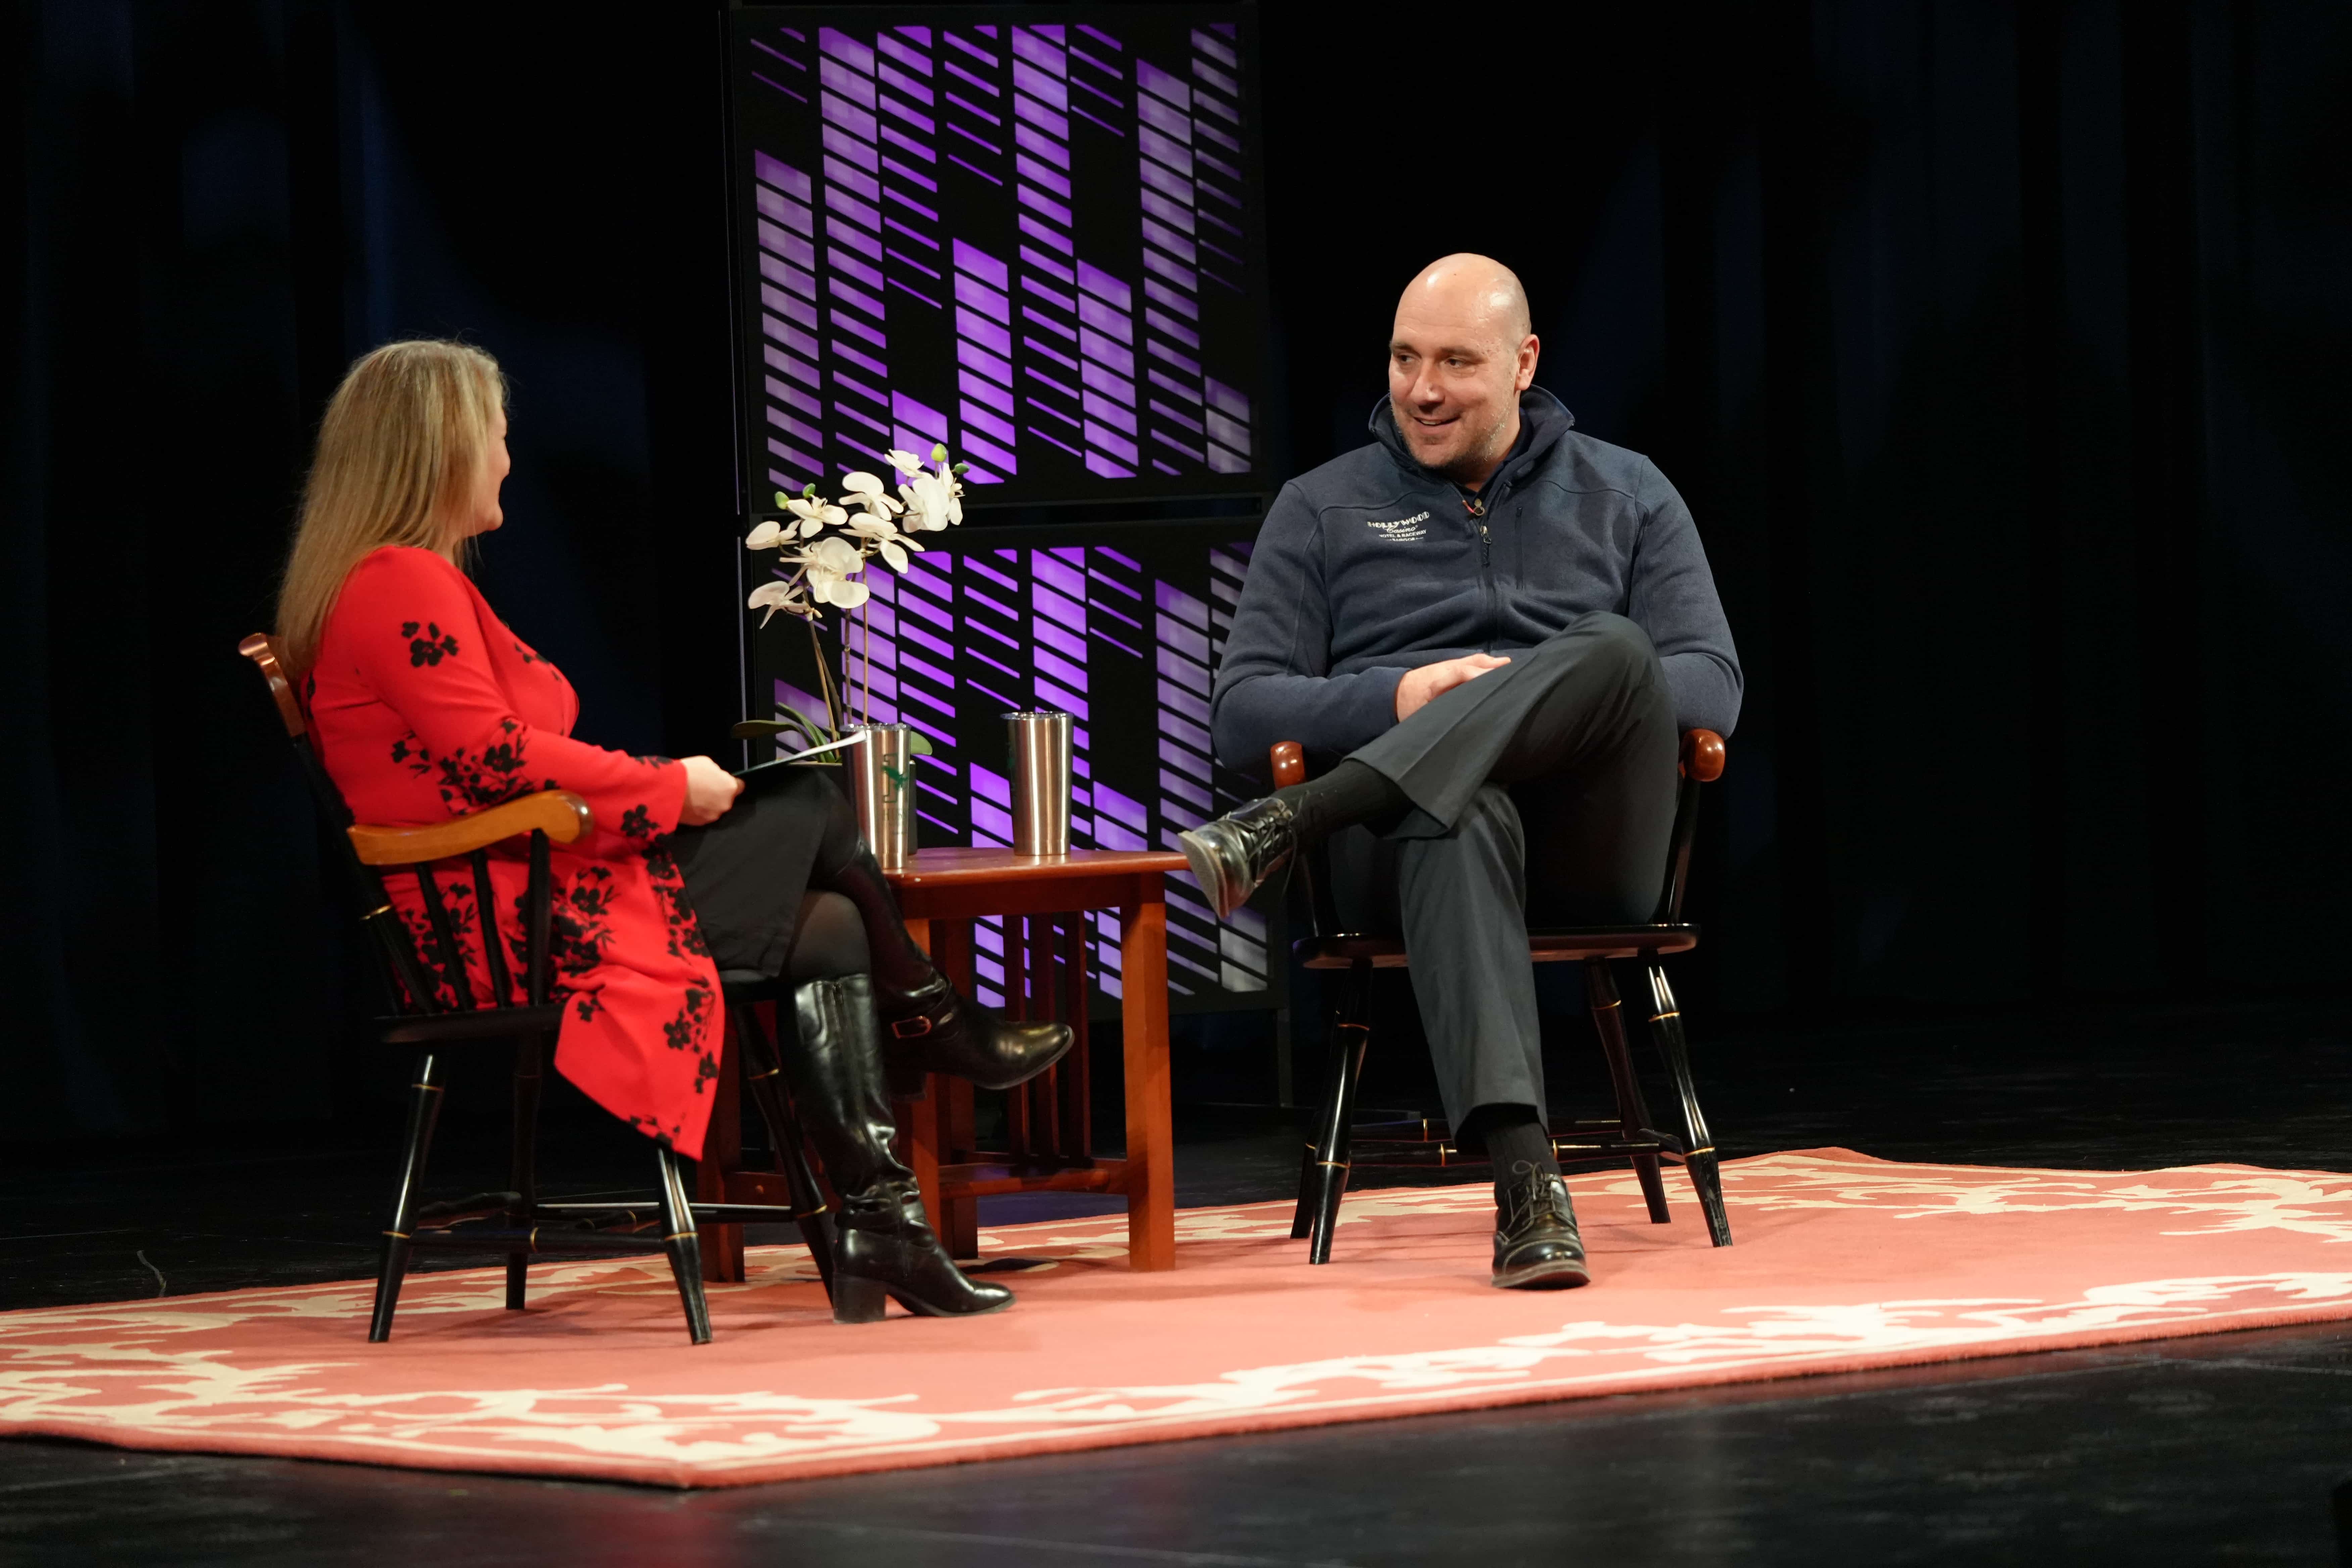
column 913, row 1028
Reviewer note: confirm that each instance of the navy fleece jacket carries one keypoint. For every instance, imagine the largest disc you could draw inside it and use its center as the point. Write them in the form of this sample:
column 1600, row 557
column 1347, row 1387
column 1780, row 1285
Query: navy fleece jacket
column 1372, row 566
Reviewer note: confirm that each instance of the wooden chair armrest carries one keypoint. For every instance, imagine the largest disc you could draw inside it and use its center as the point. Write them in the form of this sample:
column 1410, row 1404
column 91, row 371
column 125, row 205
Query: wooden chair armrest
column 1701, row 756
column 563, row 816
column 1289, row 762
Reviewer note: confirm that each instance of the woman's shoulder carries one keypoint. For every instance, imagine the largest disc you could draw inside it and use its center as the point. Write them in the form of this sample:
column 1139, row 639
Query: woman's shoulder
column 405, row 584
column 392, row 566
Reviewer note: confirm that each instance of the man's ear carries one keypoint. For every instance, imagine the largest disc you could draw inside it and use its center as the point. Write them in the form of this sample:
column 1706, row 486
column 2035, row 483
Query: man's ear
column 1529, row 351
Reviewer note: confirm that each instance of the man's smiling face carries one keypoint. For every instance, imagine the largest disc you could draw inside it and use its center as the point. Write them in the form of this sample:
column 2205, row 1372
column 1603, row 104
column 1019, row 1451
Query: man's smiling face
column 1459, row 356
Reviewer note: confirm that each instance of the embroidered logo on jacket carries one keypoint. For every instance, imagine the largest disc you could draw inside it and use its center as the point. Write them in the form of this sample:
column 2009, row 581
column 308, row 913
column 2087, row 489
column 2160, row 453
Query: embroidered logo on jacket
column 1404, row 530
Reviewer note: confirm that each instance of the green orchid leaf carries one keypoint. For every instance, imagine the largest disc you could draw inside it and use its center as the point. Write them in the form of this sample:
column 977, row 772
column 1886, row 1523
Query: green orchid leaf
column 760, row 729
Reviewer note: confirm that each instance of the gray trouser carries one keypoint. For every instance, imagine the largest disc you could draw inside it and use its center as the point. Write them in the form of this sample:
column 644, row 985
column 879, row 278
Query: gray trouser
column 1545, row 788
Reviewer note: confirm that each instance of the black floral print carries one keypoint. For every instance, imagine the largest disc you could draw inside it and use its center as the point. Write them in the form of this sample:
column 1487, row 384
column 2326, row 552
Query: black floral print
column 579, row 920
column 432, row 648
column 418, row 726
column 686, row 938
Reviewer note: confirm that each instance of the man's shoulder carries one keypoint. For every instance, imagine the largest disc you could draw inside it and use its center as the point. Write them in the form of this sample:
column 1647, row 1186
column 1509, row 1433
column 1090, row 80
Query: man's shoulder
column 1584, row 465
column 1365, row 478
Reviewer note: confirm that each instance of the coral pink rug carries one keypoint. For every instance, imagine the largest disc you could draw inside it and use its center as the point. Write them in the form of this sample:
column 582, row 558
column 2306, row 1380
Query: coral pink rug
column 1842, row 1262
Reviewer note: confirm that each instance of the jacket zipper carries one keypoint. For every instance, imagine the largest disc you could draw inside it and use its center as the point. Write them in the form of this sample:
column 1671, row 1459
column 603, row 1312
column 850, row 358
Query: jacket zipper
column 1477, row 507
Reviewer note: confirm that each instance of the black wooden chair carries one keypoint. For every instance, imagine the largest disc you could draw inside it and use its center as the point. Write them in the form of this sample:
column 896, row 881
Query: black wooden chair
column 520, row 1015
column 1581, row 1144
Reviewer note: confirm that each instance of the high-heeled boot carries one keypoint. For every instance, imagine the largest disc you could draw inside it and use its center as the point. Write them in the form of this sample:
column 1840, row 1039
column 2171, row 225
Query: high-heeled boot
column 930, row 1026
column 886, row 1247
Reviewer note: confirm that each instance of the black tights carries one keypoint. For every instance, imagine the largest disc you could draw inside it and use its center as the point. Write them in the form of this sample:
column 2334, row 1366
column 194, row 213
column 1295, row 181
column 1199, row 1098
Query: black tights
column 795, row 832
column 828, row 940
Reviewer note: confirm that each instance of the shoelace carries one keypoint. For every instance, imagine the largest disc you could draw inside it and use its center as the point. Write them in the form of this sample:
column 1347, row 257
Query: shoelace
column 1535, row 1190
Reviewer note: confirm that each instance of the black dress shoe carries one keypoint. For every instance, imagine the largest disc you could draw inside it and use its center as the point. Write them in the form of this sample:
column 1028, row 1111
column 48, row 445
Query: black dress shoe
column 1535, row 1244
column 936, row 1028
column 1234, row 855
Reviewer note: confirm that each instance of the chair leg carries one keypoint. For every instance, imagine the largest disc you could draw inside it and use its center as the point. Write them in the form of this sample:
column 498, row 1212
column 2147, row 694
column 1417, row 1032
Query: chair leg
column 530, row 1055
column 684, row 1247
column 1699, row 1147
column 1302, row 1218
column 424, row 1110
column 1632, row 1117
column 1329, row 1179
column 761, row 1070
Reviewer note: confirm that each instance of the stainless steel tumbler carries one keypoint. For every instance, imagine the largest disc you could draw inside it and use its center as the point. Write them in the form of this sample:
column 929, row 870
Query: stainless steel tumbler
column 1040, row 756
column 882, row 783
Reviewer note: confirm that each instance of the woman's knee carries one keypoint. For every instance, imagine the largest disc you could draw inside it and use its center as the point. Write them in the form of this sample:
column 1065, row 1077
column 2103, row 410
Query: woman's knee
column 828, row 941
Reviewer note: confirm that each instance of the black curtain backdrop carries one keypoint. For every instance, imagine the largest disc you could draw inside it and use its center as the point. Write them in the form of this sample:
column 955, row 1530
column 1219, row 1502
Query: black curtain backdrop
column 1998, row 349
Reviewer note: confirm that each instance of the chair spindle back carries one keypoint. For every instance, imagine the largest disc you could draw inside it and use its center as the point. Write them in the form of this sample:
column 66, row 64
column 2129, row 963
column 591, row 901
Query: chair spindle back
column 367, row 851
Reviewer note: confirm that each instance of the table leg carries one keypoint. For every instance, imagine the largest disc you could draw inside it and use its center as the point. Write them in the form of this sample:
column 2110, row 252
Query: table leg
column 960, row 1229
column 918, row 1120
column 919, row 1149
column 1150, row 1137
column 950, row 949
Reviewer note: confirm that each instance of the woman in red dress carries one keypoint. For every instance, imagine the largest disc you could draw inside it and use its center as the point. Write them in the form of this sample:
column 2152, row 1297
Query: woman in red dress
column 424, row 706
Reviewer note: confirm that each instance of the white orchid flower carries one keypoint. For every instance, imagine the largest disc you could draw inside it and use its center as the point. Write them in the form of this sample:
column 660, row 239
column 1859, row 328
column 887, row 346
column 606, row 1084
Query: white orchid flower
column 774, row 596
column 829, row 563
column 873, row 525
column 931, row 504
column 945, row 469
column 767, row 536
column 849, row 596
column 861, row 484
column 905, row 462
column 836, row 557
column 816, row 516
column 880, row 534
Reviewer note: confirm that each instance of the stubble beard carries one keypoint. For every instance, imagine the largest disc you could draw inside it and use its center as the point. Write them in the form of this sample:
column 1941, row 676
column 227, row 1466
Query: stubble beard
column 1473, row 462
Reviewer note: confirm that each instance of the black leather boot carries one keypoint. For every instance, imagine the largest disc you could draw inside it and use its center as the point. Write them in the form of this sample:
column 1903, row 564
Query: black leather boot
column 1234, row 855
column 1535, row 1244
column 928, row 1026
column 936, row 1028
column 886, row 1247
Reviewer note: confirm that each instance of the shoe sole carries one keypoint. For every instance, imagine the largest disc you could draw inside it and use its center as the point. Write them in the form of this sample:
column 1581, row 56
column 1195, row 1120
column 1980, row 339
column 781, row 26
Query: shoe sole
column 859, row 1299
column 924, row 1310
column 1210, row 876
column 1555, row 1275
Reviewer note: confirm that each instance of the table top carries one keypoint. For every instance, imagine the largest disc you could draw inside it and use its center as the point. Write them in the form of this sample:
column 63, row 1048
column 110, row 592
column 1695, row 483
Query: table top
column 937, row 867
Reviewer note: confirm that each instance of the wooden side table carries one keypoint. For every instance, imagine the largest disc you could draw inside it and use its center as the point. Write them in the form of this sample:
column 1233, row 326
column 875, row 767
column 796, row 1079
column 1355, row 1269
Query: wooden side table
column 939, row 892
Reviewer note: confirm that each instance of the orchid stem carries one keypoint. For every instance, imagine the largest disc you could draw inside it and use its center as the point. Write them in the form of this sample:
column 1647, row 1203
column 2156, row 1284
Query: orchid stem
column 833, row 706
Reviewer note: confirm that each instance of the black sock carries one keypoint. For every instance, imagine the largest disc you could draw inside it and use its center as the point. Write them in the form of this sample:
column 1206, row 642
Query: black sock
column 1514, row 1138
column 1349, row 794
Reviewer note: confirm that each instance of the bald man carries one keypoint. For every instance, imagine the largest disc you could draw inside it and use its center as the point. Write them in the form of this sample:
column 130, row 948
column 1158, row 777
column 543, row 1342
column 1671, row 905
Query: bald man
column 1487, row 631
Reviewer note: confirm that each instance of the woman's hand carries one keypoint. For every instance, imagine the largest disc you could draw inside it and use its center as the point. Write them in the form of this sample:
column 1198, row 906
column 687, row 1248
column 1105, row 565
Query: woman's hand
column 709, row 791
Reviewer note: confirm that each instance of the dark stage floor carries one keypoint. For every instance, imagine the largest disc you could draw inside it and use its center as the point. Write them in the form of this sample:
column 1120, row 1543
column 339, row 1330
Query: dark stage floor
column 2218, row 1448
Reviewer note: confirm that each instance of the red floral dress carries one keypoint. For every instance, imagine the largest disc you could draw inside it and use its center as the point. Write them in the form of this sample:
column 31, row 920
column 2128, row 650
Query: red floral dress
column 423, row 706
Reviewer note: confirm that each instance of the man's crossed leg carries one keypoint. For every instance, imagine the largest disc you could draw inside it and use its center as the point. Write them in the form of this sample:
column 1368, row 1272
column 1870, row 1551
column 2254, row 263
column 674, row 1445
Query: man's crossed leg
column 1545, row 786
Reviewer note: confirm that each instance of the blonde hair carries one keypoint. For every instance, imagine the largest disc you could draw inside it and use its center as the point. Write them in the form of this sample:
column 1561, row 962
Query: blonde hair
column 402, row 442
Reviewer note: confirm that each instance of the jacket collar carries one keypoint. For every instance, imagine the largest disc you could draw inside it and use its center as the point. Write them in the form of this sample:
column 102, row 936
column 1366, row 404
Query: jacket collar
column 1543, row 420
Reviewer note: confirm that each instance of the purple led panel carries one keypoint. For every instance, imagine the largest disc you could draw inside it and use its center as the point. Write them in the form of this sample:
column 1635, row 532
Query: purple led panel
column 1029, row 239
